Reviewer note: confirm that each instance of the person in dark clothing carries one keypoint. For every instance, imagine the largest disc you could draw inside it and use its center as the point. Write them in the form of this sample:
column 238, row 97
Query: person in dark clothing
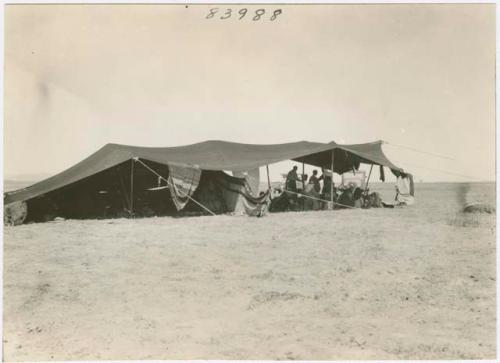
column 346, row 199
column 291, row 180
column 358, row 198
column 327, row 185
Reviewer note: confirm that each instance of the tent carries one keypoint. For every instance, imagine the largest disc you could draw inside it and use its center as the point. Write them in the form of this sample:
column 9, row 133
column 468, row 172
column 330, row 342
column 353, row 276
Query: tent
column 123, row 180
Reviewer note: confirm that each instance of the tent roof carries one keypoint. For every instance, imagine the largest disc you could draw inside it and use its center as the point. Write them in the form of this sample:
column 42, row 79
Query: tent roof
column 213, row 155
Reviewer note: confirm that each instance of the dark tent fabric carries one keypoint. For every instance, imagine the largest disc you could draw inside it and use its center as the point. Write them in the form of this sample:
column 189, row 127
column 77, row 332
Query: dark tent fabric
column 348, row 156
column 213, row 155
column 231, row 189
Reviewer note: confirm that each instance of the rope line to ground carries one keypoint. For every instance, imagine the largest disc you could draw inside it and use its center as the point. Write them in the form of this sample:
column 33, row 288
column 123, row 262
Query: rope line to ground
column 323, row 200
column 419, row 151
column 446, row 172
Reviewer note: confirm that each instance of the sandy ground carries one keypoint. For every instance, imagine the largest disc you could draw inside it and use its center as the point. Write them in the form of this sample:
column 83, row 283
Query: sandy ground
column 412, row 283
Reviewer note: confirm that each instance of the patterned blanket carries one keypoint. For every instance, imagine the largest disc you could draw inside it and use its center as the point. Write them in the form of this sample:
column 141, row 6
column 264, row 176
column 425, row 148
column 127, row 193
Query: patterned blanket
column 183, row 181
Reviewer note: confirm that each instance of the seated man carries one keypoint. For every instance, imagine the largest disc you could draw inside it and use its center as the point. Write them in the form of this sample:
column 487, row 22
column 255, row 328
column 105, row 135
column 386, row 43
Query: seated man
column 358, row 197
column 373, row 200
column 405, row 190
column 283, row 202
column 346, row 198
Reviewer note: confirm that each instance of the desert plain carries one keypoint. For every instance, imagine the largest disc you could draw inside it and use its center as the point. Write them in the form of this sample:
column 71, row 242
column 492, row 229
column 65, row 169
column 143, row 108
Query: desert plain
column 416, row 282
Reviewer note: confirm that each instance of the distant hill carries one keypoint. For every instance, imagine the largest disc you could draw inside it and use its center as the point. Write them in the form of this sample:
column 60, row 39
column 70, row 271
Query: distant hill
column 9, row 185
column 14, row 182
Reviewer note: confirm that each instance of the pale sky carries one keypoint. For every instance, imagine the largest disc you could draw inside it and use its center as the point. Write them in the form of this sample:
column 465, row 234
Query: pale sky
column 80, row 76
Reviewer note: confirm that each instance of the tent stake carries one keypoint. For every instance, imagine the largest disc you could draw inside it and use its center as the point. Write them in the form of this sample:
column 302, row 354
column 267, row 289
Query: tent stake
column 268, row 179
column 132, row 187
column 331, row 183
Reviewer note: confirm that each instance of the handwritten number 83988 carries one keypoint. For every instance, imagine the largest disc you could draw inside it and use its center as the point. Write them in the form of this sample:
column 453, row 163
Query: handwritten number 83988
column 255, row 15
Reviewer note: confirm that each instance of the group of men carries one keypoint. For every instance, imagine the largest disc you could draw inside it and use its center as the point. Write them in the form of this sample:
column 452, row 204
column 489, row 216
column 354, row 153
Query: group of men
column 349, row 196
column 312, row 186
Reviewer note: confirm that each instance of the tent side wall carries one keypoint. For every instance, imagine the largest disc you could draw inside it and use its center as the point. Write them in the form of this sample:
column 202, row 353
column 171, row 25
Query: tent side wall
column 99, row 195
column 106, row 194
column 105, row 158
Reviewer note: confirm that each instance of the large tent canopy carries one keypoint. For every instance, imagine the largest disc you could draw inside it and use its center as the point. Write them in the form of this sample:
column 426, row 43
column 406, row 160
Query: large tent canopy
column 215, row 156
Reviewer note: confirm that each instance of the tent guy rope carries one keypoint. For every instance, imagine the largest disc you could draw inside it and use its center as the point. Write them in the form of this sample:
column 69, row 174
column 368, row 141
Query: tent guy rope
column 419, row 151
column 322, row 200
column 447, row 172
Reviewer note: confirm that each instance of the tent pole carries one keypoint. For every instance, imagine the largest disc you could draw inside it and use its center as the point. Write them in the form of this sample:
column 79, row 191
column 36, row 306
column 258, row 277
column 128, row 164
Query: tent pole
column 132, row 187
column 368, row 179
column 303, row 184
column 331, row 183
column 303, row 181
column 268, row 178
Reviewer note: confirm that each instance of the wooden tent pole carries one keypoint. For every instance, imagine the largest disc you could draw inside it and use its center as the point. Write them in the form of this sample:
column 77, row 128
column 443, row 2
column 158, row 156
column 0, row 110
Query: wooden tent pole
column 331, row 182
column 303, row 185
column 268, row 178
column 368, row 179
column 303, row 181
column 132, row 187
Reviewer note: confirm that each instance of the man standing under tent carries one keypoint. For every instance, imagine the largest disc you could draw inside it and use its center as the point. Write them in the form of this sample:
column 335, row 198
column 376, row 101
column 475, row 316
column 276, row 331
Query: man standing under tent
column 327, row 183
column 291, row 180
column 313, row 189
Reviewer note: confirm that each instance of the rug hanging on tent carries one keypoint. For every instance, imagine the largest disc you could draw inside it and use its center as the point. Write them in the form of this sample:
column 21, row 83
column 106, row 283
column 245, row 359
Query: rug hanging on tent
column 183, row 181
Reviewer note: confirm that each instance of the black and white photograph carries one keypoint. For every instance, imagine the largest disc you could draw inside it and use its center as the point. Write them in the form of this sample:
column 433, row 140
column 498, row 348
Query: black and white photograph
column 249, row 181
